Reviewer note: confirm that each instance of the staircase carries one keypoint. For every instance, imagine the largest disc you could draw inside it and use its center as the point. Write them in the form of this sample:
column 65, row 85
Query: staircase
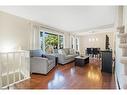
column 123, row 44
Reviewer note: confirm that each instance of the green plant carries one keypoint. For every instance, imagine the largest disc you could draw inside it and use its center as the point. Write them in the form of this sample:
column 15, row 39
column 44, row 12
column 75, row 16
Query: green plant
column 51, row 40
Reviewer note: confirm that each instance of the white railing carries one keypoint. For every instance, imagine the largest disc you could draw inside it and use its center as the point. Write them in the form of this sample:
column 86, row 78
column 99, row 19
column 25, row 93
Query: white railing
column 14, row 67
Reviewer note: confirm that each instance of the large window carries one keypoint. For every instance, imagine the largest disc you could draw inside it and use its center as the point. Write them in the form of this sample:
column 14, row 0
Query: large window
column 74, row 43
column 61, row 42
column 42, row 40
column 50, row 41
column 77, row 44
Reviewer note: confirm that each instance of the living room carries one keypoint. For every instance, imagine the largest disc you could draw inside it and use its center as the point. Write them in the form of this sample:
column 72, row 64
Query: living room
column 30, row 36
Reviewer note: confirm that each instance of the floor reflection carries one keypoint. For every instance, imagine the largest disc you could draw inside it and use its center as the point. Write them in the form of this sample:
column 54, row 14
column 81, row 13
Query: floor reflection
column 72, row 71
column 94, row 73
column 69, row 76
column 57, row 81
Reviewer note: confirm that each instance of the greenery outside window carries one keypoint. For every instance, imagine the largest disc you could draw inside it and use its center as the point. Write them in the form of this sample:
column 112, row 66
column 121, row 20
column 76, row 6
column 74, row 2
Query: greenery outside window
column 50, row 42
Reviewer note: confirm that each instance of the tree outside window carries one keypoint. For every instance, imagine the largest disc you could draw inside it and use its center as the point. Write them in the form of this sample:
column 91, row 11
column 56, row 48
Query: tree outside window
column 51, row 42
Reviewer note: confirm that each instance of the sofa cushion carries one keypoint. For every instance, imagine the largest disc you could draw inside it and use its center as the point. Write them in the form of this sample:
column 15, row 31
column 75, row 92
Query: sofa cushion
column 71, row 51
column 61, row 51
column 75, row 55
column 66, row 50
column 36, row 53
column 69, row 56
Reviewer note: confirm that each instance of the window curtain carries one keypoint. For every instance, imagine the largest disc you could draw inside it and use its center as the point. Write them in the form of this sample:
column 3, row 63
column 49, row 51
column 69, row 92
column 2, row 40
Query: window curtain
column 34, row 36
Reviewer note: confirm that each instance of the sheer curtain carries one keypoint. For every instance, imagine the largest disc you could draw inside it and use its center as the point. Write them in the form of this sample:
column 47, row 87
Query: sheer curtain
column 34, row 36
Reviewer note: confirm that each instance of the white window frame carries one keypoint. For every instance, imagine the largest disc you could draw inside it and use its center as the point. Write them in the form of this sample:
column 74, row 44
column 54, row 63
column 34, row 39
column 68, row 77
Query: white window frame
column 72, row 42
column 45, row 30
column 77, row 43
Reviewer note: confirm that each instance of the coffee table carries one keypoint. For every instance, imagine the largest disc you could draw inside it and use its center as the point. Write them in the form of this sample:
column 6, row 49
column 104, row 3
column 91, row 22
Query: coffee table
column 81, row 61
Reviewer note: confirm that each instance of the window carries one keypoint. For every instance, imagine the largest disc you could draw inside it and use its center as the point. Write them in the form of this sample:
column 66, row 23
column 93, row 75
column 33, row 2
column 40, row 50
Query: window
column 72, row 42
column 60, row 41
column 50, row 42
column 41, row 40
column 77, row 44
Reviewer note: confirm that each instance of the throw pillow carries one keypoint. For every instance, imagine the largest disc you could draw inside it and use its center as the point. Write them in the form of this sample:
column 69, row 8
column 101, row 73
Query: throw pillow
column 61, row 51
column 66, row 50
column 36, row 53
column 44, row 56
column 71, row 51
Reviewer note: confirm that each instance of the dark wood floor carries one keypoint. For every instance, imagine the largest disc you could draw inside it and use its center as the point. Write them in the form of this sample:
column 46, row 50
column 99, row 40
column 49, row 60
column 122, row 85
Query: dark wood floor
column 70, row 77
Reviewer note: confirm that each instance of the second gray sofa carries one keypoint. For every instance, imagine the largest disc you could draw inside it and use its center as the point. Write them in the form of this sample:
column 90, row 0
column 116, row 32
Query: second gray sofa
column 66, row 55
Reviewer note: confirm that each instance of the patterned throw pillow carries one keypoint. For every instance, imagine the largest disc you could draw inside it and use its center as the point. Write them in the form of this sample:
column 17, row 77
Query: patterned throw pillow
column 61, row 51
column 72, row 51
column 66, row 50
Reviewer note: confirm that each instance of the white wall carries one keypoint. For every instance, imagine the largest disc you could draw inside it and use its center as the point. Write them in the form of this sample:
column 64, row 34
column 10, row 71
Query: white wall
column 19, row 32
column 13, row 31
column 100, row 43
column 67, row 40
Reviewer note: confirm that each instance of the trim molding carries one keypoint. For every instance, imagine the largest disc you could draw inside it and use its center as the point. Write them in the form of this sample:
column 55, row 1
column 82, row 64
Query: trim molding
column 117, row 82
column 98, row 27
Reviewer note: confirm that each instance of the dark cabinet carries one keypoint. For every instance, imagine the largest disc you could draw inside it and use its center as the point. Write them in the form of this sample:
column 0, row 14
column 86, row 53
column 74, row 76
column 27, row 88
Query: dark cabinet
column 106, row 61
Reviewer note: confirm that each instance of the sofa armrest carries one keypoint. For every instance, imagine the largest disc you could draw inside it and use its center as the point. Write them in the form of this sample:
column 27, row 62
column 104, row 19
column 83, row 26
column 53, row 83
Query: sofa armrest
column 61, row 58
column 39, row 65
column 51, row 57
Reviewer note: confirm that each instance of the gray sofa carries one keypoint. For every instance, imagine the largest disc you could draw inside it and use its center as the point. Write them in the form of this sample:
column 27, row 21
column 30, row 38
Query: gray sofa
column 66, row 55
column 40, row 63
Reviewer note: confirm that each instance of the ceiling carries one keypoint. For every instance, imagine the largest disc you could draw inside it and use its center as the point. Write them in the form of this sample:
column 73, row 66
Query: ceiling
column 67, row 18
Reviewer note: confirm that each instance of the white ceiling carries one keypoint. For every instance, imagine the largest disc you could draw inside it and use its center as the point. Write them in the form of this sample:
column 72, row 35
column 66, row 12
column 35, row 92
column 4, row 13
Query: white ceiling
column 67, row 18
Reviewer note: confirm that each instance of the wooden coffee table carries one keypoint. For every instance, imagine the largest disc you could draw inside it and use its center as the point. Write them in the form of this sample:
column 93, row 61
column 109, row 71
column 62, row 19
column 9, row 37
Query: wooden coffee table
column 81, row 61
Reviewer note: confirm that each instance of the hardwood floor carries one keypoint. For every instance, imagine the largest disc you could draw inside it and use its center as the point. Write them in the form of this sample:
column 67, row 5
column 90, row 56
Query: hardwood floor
column 70, row 77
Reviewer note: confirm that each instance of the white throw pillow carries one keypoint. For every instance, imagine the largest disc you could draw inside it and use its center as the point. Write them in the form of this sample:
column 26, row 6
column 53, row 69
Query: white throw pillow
column 61, row 51
column 71, row 51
